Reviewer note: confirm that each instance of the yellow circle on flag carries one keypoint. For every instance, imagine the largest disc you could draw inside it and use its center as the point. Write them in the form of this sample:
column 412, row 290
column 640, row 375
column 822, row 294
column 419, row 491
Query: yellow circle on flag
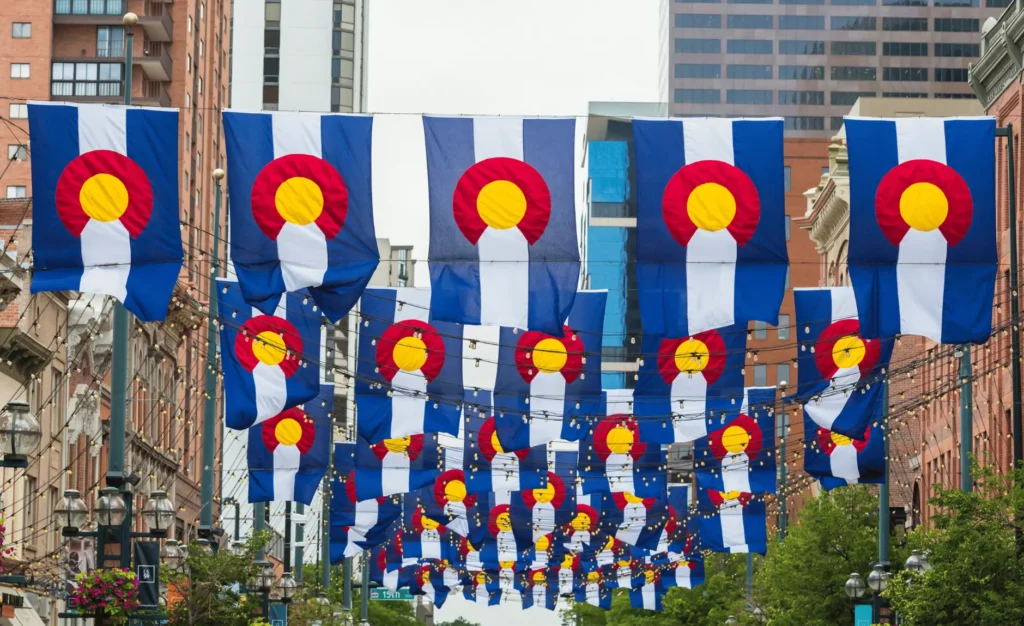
column 269, row 348
column 410, row 353
column 848, row 351
column 504, row 522
column 288, row 432
column 428, row 524
column 299, row 200
column 735, row 439
column 711, row 207
column 840, row 440
column 104, row 197
column 620, row 440
column 923, row 206
column 545, row 495
column 455, row 491
column 496, row 444
column 543, row 543
column 549, row 355
column 397, row 445
column 581, row 522
column 632, row 499
column 501, row 204
column 692, row 356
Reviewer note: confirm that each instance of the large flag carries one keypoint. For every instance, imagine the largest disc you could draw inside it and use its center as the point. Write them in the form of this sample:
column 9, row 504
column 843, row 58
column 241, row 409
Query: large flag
column 423, row 537
column 539, row 592
column 739, row 455
column 497, row 540
column 105, row 203
column 356, row 525
column 288, row 455
column 614, row 458
column 711, row 243
column 410, row 367
column 301, row 206
column 840, row 371
column 593, row 592
column 678, row 376
column 732, row 521
column 503, row 248
column 922, row 226
column 537, row 512
column 488, row 466
column 399, row 465
column 448, row 501
column 688, row 573
column 837, row 460
column 272, row 360
column 649, row 596
column 547, row 385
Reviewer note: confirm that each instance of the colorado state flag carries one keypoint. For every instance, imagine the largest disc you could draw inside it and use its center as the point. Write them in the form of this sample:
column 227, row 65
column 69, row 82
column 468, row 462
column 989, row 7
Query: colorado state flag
column 356, row 525
column 503, row 249
column 679, row 375
column 105, row 205
column 488, row 466
column 410, row 367
column 732, row 521
column 922, row 226
column 398, row 465
column 840, row 372
column 614, row 458
column 837, row 460
column 711, row 243
column 547, row 385
column 289, row 454
column 271, row 361
column 301, row 206
column 739, row 455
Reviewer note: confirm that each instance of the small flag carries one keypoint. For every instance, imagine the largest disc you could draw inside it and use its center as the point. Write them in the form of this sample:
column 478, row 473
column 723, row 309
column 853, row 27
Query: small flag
column 399, row 465
column 105, row 203
column 649, row 596
column 591, row 591
column 503, row 249
column 489, row 467
column 633, row 520
column 739, row 455
column 923, row 254
column 837, row 460
column 356, row 525
column 732, row 522
column 711, row 245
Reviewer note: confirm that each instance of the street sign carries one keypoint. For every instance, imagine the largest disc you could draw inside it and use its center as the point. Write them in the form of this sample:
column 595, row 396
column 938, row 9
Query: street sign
column 380, row 593
column 862, row 616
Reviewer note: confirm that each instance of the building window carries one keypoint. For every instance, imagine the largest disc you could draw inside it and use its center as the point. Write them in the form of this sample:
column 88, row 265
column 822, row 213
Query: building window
column 748, row 96
column 901, row 94
column 912, row 24
column 200, row 48
column 787, row 273
column 698, row 46
column 749, row 21
column 787, row 178
column 801, row 97
column 110, row 41
column 760, row 330
column 698, row 20
column 760, row 375
column 853, row 73
column 950, row 75
column 20, row 70
column 202, row 11
column 271, row 41
column 750, row 1
column 801, row 72
column 956, row 25
column 837, row 123
column 698, row 96
column 188, row 101
column 787, row 226
column 998, row 4
column 755, row 72
column 905, row 3
column 300, row 533
column 905, row 74
column 804, row 122
column 189, row 27
column 272, row 13
column 853, row 48
column 270, row 97
column 749, row 46
column 956, row 96
column 847, row 98
column 801, row 47
column 801, row 1
column 840, row 22
column 16, row 191
column 17, row 151
column 957, row 50
column 188, row 63
column 698, row 70
column 21, row 30
column 85, row 79
column 199, row 85
column 782, row 374
column 402, row 261
column 801, row 22
column 341, row 97
column 957, row 3
column 906, row 49
column 18, row 111
column 89, row 7
column 300, row 508
column 271, row 69
column 29, row 508
column 870, row 3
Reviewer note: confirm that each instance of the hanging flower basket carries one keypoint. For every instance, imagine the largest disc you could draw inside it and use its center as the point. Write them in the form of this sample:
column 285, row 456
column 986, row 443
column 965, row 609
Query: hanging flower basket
column 113, row 592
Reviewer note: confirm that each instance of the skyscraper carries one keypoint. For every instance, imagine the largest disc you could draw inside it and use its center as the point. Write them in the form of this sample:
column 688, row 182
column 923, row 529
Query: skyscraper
column 809, row 60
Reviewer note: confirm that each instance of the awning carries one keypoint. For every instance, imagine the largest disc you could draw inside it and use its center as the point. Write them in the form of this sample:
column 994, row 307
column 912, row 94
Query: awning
column 25, row 616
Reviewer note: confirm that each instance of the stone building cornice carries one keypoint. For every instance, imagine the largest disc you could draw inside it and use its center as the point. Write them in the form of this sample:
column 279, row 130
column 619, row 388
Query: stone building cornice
column 828, row 204
column 1001, row 61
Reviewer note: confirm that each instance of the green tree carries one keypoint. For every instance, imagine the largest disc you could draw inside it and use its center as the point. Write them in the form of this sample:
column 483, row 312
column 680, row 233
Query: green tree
column 461, row 621
column 976, row 576
column 307, row 610
column 800, row 581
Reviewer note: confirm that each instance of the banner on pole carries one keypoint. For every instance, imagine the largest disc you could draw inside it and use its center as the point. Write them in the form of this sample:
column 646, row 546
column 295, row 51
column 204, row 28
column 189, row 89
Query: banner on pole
column 147, row 569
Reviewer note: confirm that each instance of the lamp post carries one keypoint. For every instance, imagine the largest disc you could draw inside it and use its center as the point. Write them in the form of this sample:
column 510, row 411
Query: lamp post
column 263, row 582
column 878, row 580
column 20, row 434
column 780, row 415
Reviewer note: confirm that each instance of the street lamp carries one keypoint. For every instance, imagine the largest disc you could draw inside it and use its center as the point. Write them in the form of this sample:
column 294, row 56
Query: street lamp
column 174, row 555
column 730, row 620
column 205, row 545
column 110, row 508
column 855, row 586
column 287, row 587
column 264, row 579
column 878, row 579
column 19, row 434
column 158, row 514
column 917, row 562
column 71, row 512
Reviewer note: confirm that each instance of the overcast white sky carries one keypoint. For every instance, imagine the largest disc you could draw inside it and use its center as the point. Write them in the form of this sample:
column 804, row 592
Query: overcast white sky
column 495, row 57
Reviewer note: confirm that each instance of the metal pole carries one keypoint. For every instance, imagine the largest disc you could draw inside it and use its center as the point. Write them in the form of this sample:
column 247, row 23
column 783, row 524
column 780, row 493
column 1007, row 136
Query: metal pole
column 364, row 593
column 238, row 520
column 966, row 418
column 259, row 523
column 883, row 489
column 750, row 580
column 781, row 417
column 287, row 536
column 210, row 393
column 325, row 524
column 119, row 362
column 346, row 572
column 1018, row 438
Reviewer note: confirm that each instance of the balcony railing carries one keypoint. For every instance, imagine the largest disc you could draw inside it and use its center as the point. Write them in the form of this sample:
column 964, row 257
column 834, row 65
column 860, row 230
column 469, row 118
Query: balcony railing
column 89, row 7
column 85, row 89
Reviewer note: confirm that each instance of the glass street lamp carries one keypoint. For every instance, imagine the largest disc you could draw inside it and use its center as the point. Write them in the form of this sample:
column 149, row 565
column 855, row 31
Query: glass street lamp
column 19, row 434
column 158, row 514
column 174, row 555
column 855, row 586
column 878, row 579
column 730, row 620
column 918, row 562
column 287, row 586
column 71, row 511
column 263, row 580
column 110, row 508
column 205, row 545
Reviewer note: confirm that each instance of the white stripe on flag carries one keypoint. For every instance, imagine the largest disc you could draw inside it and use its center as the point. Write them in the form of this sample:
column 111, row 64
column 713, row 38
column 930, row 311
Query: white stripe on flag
column 504, row 254
column 634, row 516
column 505, row 472
column 271, row 387
column 506, row 542
column 366, row 517
column 683, row 576
column 430, row 544
column 619, row 401
column 302, row 250
column 843, row 462
column 689, row 423
column 710, row 256
column 106, row 246
column 619, row 470
column 415, row 304
column 844, row 304
column 286, row 466
column 734, row 536
column 921, row 266
column 409, row 402
column 736, row 473
column 543, row 519
column 394, row 474
column 547, row 404
column 825, row 410
column 650, row 598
